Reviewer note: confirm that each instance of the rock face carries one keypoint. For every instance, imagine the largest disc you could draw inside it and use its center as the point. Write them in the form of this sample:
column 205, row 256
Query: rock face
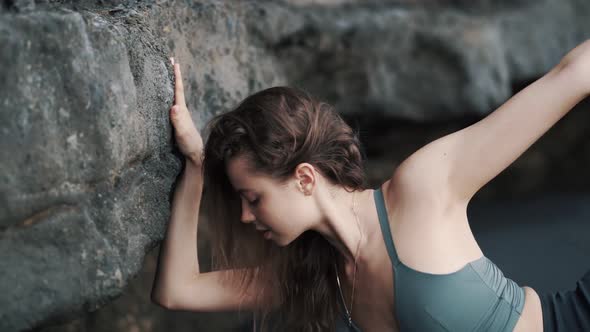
column 87, row 169
column 429, row 63
column 87, row 161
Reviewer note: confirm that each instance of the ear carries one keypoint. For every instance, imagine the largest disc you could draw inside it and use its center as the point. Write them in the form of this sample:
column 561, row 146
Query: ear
column 305, row 177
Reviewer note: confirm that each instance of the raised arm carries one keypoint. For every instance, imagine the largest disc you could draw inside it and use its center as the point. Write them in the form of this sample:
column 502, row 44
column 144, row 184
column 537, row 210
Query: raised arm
column 179, row 284
column 457, row 165
column 178, row 264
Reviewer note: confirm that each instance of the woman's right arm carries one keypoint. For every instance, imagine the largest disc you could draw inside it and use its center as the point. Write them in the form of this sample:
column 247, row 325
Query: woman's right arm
column 177, row 261
column 179, row 283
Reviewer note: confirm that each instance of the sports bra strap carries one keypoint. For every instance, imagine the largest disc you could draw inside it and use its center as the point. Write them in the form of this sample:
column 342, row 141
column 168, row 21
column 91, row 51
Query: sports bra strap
column 385, row 229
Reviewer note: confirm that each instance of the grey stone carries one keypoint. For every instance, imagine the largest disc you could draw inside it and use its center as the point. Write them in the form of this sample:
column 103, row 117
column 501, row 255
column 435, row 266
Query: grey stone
column 87, row 158
column 423, row 63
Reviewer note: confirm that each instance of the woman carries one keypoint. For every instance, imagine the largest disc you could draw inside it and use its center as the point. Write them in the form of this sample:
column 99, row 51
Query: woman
column 322, row 251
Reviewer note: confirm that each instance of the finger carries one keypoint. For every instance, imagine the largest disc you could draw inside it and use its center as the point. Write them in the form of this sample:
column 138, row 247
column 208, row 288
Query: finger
column 178, row 87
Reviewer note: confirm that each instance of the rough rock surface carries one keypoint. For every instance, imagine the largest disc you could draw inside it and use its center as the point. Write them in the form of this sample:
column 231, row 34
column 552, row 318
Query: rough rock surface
column 87, row 161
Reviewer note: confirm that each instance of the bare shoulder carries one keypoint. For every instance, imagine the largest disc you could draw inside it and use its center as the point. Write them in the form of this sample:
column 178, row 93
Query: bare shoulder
column 430, row 231
column 418, row 185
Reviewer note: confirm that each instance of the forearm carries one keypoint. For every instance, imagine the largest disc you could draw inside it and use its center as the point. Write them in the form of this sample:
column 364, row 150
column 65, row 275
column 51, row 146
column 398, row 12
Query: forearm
column 178, row 260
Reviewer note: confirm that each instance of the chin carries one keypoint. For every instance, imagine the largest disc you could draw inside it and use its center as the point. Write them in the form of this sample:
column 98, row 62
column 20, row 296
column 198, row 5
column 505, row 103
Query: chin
column 283, row 244
column 279, row 242
column 282, row 241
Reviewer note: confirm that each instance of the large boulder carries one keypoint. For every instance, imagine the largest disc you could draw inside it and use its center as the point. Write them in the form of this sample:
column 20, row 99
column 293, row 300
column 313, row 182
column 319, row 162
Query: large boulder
column 87, row 160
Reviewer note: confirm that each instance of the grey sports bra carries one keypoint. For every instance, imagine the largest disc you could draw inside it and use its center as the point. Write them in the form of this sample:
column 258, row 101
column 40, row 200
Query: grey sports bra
column 478, row 297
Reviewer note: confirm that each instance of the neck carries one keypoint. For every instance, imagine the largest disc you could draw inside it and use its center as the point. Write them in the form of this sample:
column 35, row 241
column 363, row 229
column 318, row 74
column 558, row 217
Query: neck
column 340, row 227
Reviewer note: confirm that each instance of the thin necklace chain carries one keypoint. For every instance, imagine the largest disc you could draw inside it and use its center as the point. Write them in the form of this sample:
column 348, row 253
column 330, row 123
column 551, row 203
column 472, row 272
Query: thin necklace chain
column 349, row 312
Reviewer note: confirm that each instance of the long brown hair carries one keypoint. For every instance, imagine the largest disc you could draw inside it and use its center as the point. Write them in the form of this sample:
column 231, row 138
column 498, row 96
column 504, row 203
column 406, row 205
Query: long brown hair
column 275, row 130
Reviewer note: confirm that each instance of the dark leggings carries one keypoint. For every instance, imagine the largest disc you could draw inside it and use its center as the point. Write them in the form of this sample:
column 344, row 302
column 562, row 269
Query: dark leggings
column 567, row 310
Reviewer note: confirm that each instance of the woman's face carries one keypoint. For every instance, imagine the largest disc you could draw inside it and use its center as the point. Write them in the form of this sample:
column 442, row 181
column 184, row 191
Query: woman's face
column 281, row 212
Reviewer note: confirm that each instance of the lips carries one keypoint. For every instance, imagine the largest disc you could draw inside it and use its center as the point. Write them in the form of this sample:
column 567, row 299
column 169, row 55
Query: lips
column 261, row 229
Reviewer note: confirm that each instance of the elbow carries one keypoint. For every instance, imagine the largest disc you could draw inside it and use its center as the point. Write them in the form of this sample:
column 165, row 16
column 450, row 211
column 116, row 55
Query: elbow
column 157, row 297
column 576, row 65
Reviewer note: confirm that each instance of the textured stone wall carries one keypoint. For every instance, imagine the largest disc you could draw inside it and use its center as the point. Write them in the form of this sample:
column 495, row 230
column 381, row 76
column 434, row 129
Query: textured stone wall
column 87, row 161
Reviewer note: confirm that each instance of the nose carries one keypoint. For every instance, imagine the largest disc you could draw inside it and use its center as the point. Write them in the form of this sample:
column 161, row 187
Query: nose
column 247, row 216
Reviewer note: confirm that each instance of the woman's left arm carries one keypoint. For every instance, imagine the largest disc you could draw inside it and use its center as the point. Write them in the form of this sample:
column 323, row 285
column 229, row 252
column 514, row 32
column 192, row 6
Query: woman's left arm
column 478, row 153
column 454, row 167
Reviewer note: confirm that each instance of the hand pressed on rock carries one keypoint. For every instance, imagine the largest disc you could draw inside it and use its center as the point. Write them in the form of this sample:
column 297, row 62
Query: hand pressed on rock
column 187, row 137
